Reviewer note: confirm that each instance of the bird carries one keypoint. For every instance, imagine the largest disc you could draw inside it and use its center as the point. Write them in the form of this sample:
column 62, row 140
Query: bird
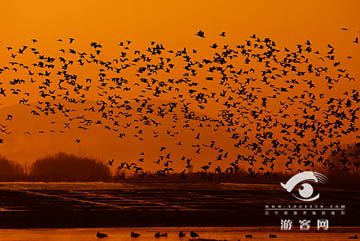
column 248, row 236
column 9, row 117
column 356, row 40
column 193, row 234
column 200, row 34
column 182, row 234
column 101, row 235
column 355, row 236
column 206, row 167
column 214, row 46
column 110, row 162
column 134, row 235
column 159, row 235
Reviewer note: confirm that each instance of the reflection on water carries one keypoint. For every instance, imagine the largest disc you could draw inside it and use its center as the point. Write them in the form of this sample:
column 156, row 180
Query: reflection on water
column 217, row 233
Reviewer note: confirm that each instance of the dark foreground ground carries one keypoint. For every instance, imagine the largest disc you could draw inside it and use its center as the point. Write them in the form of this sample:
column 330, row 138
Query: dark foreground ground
column 48, row 205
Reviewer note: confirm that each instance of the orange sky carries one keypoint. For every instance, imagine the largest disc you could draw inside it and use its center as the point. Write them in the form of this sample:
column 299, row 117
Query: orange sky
column 173, row 23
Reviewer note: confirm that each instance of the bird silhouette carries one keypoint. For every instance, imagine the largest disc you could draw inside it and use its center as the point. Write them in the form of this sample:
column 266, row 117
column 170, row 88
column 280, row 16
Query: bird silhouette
column 193, row 234
column 134, row 235
column 200, row 34
column 159, row 235
column 110, row 162
column 101, row 235
column 182, row 234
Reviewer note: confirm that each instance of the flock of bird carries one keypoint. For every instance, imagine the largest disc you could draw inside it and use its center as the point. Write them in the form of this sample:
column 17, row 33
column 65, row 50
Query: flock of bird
column 195, row 236
column 181, row 234
column 278, row 107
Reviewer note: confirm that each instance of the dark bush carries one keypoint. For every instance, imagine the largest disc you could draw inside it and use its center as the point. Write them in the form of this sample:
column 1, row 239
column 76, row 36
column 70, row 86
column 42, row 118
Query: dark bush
column 10, row 171
column 69, row 168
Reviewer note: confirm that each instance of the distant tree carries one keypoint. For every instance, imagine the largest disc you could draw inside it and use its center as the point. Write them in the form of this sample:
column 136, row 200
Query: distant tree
column 357, row 166
column 71, row 168
column 347, row 159
column 10, row 171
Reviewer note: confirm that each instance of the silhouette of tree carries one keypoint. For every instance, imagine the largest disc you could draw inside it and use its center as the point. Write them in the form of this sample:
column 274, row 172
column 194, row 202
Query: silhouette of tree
column 66, row 167
column 10, row 171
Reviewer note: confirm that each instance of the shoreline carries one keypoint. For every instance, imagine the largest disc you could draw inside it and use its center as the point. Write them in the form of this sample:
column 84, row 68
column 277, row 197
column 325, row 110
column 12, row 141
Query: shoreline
column 256, row 229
